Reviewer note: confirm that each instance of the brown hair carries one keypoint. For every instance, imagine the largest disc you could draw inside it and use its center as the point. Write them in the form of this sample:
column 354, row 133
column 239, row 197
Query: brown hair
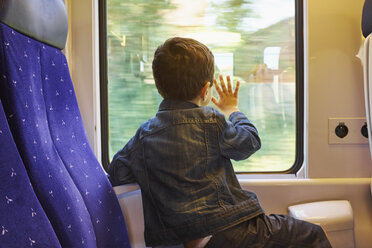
column 181, row 67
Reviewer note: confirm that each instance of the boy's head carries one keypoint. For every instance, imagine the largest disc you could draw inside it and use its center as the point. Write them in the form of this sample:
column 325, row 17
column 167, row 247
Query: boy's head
column 181, row 67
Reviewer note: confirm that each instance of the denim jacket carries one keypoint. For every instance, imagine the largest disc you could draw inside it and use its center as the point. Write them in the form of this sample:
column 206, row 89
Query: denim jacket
column 181, row 160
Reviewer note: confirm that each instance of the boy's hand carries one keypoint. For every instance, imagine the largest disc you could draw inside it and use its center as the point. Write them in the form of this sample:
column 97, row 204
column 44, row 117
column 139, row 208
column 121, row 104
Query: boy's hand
column 228, row 100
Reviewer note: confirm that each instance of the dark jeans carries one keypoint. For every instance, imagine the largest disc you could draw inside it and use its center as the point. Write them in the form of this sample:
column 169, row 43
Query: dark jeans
column 271, row 231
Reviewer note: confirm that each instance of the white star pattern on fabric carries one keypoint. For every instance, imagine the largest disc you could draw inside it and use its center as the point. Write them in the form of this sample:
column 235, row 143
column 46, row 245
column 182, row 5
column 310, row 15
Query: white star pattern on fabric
column 33, row 213
column 32, row 242
column 8, row 200
column 3, row 231
column 13, row 173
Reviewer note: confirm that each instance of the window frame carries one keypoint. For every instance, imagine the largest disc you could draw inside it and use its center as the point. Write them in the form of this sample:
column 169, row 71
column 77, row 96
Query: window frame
column 300, row 108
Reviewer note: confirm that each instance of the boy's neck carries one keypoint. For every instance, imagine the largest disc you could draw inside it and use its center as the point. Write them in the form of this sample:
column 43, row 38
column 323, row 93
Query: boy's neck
column 196, row 101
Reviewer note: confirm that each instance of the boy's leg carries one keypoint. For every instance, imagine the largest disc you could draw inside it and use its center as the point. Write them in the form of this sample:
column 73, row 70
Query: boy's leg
column 271, row 231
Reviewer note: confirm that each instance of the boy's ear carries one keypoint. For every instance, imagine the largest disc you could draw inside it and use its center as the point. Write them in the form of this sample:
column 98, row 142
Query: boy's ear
column 204, row 90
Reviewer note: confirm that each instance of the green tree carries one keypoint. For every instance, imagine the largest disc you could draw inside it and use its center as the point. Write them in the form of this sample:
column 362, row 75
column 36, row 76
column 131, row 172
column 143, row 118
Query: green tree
column 230, row 13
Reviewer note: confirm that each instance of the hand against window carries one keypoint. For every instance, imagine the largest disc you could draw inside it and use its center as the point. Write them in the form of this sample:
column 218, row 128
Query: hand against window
column 227, row 102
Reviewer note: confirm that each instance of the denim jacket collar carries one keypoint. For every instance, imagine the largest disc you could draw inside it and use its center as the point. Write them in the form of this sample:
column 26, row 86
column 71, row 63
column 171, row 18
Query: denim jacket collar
column 168, row 104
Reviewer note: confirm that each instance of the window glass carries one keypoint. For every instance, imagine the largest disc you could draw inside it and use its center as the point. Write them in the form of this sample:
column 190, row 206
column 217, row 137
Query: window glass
column 253, row 41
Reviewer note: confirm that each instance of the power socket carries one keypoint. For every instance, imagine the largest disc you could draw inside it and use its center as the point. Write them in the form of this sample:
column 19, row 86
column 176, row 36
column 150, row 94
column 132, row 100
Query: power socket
column 354, row 126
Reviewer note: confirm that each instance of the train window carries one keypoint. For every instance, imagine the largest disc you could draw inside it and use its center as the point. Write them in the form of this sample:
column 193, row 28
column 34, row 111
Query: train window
column 258, row 42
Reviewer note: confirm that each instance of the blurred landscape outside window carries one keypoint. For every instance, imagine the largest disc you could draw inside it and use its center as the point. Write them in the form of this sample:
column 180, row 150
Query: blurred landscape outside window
column 253, row 41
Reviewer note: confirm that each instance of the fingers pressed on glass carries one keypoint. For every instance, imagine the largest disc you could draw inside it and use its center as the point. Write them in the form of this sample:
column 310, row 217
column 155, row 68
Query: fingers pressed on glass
column 223, row 86
column 218, row 89
column 229, row 87
column 236, row 91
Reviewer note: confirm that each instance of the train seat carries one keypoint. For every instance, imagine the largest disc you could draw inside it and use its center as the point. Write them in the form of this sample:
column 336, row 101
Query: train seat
column 44, row 120
column 365, row 54
column 130, row 200
column 20, row 224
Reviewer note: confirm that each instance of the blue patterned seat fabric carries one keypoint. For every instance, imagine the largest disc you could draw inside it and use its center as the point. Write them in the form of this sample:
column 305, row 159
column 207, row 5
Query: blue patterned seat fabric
column 23, row 222
column 367, row 18
column 42, row 112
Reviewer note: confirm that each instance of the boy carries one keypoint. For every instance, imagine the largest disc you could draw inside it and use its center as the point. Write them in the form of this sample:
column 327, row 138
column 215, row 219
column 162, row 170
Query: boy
column 181, row 160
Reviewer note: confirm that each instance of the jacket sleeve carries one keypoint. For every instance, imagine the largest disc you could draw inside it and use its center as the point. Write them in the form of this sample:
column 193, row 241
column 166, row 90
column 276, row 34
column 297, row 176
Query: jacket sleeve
column 119, row 170
column 238, row 137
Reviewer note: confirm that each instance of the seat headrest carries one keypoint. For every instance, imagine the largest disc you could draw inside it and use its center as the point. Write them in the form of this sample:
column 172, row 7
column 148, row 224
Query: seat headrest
column 43, row 20
column 367, row 18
